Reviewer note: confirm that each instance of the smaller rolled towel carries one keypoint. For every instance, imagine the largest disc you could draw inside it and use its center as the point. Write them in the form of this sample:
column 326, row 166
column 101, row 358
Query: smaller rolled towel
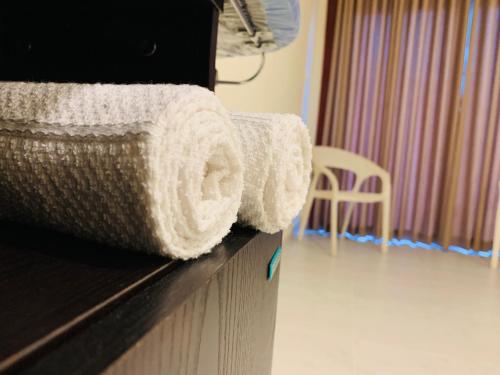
column 154, row 168
column 277, row 160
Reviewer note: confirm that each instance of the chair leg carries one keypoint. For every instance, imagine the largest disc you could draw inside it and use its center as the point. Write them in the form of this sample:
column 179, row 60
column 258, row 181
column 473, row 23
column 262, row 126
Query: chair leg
column 306, row 210
column 304, row 216
column 386, row 225
column 496, row 240
column 347, row 218
column 333, row 225
column 495, row 251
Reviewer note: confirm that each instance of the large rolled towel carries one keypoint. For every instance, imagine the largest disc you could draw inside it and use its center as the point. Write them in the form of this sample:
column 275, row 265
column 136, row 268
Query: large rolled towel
column 277, row 156
column 155, row 168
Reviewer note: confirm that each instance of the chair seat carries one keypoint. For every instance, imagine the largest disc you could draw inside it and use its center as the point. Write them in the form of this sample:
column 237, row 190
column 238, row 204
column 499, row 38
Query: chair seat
column 349, row 196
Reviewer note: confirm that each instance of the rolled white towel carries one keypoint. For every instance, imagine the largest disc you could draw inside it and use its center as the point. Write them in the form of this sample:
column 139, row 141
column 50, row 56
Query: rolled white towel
column 277, row 157
column 155, row 168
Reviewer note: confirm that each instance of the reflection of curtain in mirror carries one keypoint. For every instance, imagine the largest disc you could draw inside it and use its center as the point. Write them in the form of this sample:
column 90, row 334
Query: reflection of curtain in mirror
column 392, row 92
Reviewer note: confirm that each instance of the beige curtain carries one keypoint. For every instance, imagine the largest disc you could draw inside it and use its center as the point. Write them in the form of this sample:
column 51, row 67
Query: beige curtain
column 395, row 90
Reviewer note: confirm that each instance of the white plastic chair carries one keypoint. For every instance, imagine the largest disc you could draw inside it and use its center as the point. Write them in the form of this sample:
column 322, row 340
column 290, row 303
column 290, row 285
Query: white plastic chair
column 496, row 237
column 329, row 157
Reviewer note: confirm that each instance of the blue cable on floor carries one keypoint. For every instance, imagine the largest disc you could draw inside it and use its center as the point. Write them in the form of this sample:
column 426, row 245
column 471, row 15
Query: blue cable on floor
column 395, row 242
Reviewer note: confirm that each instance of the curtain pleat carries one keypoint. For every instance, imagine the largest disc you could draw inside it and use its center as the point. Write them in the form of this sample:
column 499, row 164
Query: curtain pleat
column 477, row 177
column 454, row 127
column 395, row 91
column 425, row 169
column 444, row 128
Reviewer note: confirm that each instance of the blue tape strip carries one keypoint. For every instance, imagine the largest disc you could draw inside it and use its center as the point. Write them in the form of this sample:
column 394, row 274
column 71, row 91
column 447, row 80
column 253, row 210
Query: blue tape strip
column 397, row 242
column 273, row 263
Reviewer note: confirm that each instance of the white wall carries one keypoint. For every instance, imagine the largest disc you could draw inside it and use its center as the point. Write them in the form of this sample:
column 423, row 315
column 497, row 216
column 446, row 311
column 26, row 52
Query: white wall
column 280, row 86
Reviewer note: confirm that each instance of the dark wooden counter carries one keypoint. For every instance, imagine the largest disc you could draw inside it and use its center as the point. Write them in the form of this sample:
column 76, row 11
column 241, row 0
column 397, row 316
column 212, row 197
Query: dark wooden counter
column 71, row 306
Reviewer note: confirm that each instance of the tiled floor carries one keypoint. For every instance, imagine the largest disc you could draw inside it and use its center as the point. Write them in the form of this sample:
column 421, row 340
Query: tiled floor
column 410, row 311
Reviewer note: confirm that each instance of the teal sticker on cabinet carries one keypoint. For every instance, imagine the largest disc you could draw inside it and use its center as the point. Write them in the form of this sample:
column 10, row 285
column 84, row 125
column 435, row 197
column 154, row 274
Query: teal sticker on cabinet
column 273, row 263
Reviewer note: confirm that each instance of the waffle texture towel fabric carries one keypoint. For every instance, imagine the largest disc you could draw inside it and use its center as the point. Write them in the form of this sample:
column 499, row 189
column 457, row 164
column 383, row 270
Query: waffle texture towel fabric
column 277, row 156
column 154, row 168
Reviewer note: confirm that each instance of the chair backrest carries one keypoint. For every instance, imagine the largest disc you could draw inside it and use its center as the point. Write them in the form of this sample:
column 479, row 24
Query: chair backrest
column 331, row 157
